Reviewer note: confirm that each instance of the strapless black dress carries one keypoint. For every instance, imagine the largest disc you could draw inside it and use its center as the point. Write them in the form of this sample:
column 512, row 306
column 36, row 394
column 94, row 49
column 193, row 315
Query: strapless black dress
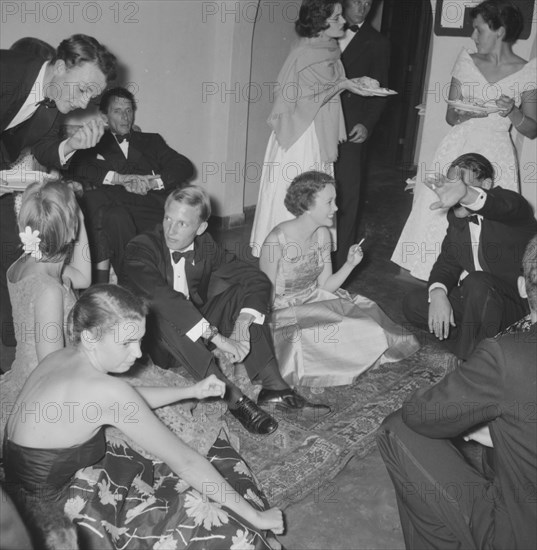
column 119, row 499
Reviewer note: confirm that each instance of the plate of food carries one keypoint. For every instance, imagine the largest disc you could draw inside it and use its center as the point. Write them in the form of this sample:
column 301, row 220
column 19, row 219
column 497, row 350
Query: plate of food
column 474, row 106
column 19, row 179
column 381, row 91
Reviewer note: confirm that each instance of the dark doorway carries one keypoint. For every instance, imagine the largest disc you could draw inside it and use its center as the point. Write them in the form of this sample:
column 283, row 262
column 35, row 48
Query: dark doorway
column 408, row 25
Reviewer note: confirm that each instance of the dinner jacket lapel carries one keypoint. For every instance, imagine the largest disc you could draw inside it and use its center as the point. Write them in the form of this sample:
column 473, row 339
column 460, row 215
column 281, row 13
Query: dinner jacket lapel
column 358, row 47
column 167, row 261
column 195, row 275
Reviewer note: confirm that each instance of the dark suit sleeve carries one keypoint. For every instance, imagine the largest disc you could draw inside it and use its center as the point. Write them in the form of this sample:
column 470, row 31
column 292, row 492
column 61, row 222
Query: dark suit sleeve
column 449, row 265
column 506, row 206
column 370, row 58
column 174, row 169
column 255, row 285
column 469, row 396
column 87, row 169
column 144, row 273
column 380, row 71
column 46, row 149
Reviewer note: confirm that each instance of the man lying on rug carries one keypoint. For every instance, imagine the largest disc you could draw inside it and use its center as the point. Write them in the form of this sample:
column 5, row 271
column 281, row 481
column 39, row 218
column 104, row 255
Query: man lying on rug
column 443, row 501
column 173, row 266
column 472, row 290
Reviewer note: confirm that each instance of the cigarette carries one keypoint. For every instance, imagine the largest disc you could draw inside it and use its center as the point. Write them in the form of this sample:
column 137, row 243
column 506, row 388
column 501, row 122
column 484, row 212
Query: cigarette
column 360, row 243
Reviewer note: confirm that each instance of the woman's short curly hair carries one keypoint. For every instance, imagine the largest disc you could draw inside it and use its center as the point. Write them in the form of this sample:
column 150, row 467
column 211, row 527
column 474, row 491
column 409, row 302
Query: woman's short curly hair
column 501, row 13
column 313, row 15
column 304, row 189
column 52, row 209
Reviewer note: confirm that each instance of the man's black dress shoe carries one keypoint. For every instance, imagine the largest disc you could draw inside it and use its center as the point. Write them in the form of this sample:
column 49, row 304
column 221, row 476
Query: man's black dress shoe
column 254, row 419
column 289, row 399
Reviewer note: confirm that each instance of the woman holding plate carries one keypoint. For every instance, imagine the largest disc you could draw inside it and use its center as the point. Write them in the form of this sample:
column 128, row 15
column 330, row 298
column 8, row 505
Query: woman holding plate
column 306, row 118
column 491, row 91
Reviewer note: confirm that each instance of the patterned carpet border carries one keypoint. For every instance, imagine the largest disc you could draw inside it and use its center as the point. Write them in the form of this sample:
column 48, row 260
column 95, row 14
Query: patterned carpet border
column 305, row 452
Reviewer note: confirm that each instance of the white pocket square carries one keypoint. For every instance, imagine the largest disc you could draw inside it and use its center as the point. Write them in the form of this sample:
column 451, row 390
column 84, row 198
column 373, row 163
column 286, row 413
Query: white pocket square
column 100, row 157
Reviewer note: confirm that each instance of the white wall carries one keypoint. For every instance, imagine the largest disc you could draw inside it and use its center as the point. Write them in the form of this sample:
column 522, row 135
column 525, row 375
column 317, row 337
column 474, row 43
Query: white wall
column 183, row 57
column 273, row 35
column 444, row 53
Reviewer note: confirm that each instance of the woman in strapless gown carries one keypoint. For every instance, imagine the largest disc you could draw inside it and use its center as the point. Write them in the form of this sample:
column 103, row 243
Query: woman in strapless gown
column 116, row 497
column 322, row 335
column 507, row 82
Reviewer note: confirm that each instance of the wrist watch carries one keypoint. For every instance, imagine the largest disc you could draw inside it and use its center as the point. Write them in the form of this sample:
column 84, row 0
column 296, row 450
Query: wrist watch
column 213, row 331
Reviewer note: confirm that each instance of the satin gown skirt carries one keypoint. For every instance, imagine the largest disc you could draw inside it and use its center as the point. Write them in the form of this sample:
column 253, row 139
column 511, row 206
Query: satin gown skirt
column 331, row 339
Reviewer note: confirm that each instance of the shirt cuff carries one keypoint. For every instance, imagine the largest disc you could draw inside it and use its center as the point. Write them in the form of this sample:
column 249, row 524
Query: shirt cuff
column 160, row 184
column 259, row 318
column 109, row 178
column 437, row 285
column 197, row 330
column 61, row 152
column 479, row 202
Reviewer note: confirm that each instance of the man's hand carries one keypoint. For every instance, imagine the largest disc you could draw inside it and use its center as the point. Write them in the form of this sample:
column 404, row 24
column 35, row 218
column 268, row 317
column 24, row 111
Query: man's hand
column 86, row 136
column 241, row 332
column 209, row 387
column 449, row 191
column 481, row 435
column 135, row 183
column 236, row 350
column 358, row 134
column 440, row 314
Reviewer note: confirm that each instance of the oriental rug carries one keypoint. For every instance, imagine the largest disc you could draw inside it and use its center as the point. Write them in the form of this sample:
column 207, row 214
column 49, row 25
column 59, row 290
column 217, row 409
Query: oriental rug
column 306, row 452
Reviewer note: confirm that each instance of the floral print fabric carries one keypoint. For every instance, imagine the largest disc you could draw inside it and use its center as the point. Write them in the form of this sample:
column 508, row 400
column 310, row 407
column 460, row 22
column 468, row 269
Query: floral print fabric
column 126, row 501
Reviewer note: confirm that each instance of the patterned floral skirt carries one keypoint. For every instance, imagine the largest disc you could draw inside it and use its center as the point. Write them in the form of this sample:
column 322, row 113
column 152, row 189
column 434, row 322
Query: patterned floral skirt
column 127, row 501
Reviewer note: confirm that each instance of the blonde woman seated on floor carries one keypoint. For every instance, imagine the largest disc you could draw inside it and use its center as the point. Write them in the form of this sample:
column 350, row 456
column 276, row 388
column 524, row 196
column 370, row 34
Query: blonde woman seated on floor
column 322, row 335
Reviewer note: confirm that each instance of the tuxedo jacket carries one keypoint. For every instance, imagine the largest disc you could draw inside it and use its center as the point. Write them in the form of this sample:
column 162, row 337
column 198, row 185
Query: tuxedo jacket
column 507, row 226
column 148, row 154
column 367, row 54
column 148, row 272
column 41, row 132
column 497, row 386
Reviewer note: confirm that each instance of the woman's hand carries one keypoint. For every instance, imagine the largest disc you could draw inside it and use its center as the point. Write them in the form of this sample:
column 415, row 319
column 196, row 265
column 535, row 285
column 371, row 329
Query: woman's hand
column 362, row 85
column 355, row 255
column 463, row 116
column 270, row 520
column 506, row 104
column 209, row 387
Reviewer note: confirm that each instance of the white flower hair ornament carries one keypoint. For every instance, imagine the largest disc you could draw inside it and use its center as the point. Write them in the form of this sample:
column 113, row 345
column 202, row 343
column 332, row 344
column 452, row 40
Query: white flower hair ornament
column 30, row 241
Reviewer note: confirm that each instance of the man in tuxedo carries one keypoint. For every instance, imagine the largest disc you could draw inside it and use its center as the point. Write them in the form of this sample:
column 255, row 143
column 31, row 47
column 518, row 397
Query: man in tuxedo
column 127, row 177
column 444, row 501
column 33, row 94
column 472, row 290
column 365, row 52
column 173, row 267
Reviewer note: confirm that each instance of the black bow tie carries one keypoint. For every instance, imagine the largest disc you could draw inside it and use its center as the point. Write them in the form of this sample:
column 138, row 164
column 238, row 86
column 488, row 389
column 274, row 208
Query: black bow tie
column 121, row 139
column 48, row 103
column 188, row 256
column 353, row 28
column 473, row 219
